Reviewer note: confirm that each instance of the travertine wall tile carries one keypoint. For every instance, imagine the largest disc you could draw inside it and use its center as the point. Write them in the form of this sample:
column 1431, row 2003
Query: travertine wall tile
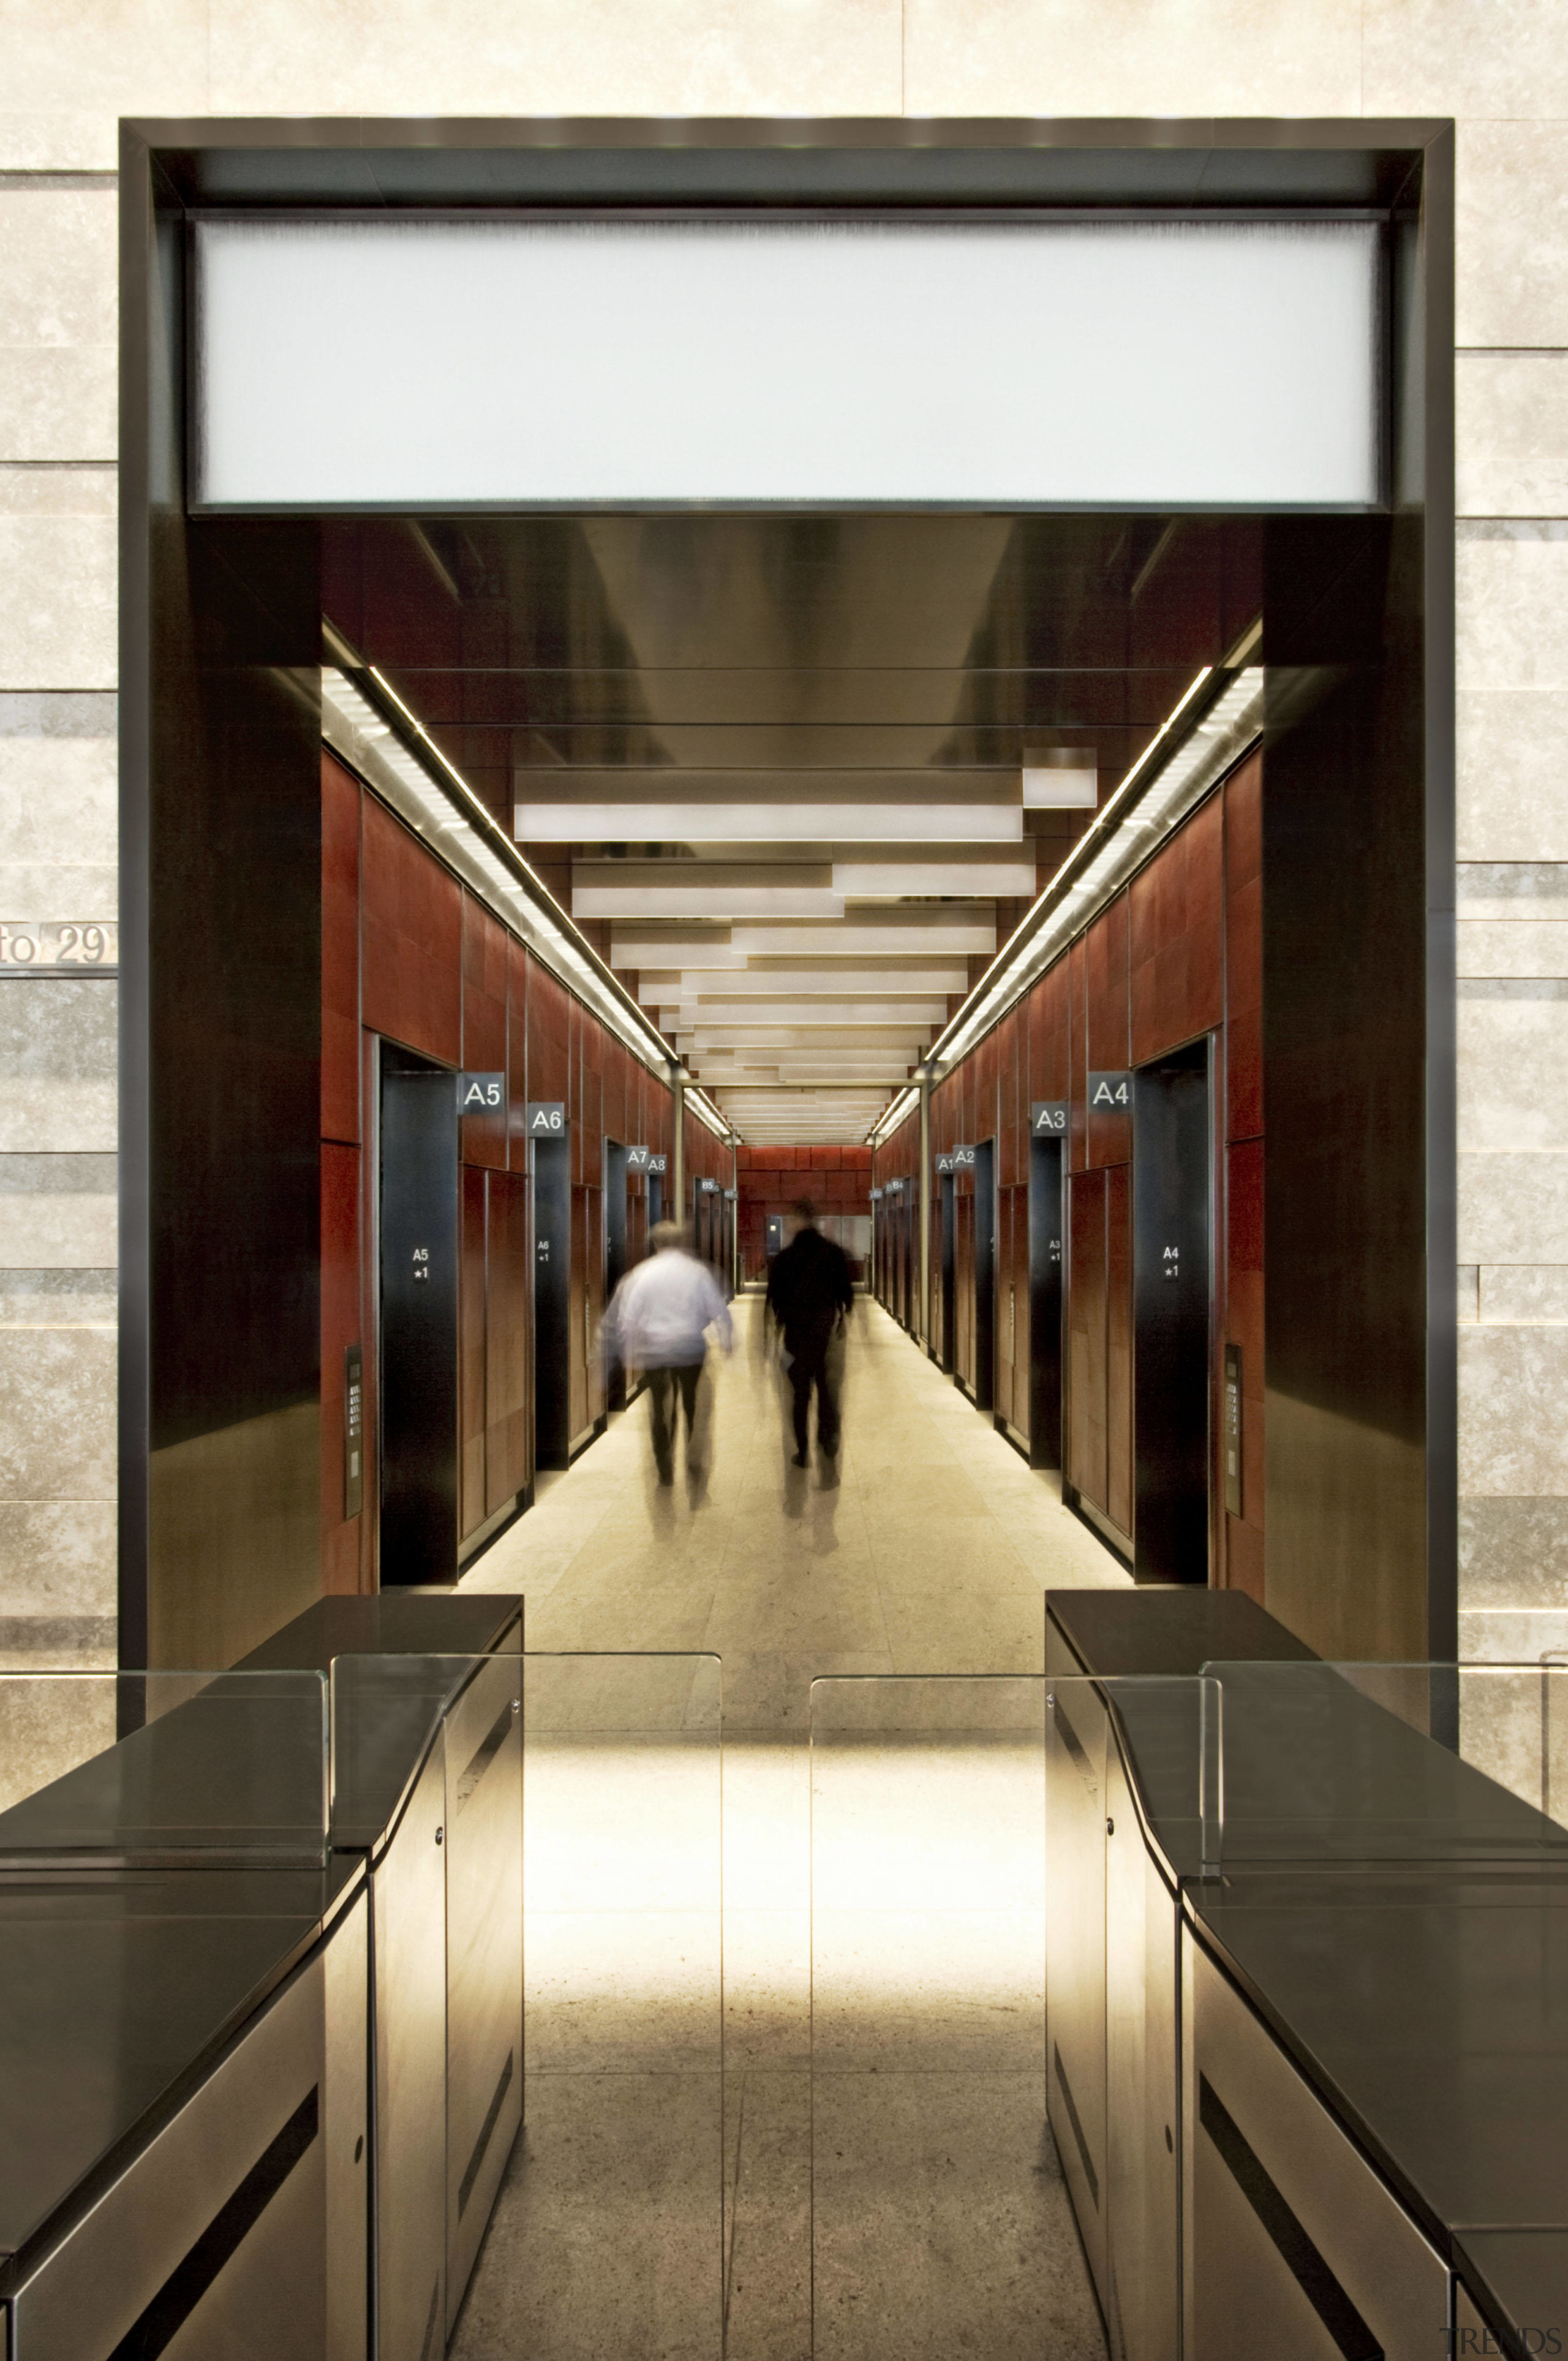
column 59, row 807
column 1521, row 948
column 59, row 308
column 1513, row 1208
column 69, row 1298
column 1511, row 1293
column 1448, row 57
column 1511, row 433
column 555, row 57
column 57, row 1415
column 1513, row 1050
column 57, row 1558
column 1512, row 793
column 1469, row 1292
column 1511, row 1439
column 57, row 1064
column 54, row 1228
column 1513, row 1551
column 1133, row 57
column 1511, row 234
column 1512, row 621
column 58, row 562
column 1530, row 892
column 74, row 66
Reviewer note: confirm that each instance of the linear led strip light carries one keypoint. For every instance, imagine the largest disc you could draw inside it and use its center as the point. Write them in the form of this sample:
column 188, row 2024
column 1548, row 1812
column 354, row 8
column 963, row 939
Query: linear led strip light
column 702, row 1106
column 1222, row 708
column 458, row 822
column 902, row 1108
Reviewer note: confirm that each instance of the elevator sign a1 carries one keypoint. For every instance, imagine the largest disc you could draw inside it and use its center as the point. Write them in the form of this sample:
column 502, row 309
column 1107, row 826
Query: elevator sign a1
column 1048, row 1118
column 481, row 1093
column 944, row 1160
column 547, row 1118
column 1111, row 1094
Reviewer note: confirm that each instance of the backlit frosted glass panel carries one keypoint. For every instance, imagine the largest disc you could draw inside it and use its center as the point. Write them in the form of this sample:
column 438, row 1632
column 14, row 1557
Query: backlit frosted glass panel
column 362, row 362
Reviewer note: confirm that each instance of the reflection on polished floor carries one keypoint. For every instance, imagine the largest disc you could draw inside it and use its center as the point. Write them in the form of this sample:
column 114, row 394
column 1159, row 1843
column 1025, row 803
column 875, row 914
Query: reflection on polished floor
column 871, row 2176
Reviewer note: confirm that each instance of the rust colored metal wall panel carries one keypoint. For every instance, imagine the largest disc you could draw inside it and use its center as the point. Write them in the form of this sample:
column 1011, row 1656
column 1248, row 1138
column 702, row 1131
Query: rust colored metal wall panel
column 340, row 952
column 549, row 1035
column 485, row 964
column 411, row 944
column 1077, row 1068
column 1106, row 1026
column 576, row 1332
column 1244, row 952
column 520, row 978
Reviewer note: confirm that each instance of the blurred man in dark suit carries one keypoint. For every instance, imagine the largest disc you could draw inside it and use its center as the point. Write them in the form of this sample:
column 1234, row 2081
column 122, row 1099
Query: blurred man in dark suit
column 811, row 1295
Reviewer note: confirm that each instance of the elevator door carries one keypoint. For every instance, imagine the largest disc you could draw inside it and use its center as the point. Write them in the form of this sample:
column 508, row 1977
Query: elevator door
column 985, row 1275
column 949, row 1276
column 551, row 1302
column 1172, row 1191
column 1045, row 1302
column 418, row 1323
column 614, row 1256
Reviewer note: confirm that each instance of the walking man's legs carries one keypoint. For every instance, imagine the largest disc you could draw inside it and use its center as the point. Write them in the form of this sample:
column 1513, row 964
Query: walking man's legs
column 689, row 1379
column 804, row 1371
column 662, row 1397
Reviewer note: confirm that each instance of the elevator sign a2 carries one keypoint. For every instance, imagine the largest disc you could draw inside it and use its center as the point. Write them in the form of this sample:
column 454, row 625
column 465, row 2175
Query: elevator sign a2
column 547, row 1118
column 481, row 1093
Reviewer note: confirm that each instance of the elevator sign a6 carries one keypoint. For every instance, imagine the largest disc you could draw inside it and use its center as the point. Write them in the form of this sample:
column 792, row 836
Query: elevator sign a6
column 481, row 1093
column 547, row 1118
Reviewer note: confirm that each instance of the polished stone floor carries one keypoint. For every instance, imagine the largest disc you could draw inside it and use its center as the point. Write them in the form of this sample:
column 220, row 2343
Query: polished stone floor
column 785, row 2027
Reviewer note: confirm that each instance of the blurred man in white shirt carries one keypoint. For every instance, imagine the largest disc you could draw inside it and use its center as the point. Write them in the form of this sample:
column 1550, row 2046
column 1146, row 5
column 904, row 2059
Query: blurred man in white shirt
column 658, row 1321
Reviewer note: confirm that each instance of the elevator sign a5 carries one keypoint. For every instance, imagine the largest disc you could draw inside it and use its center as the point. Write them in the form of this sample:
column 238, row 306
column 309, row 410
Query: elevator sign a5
column 547, row 1118
column 1048, row 1118
column 481, row 1093
column 1110, row 1094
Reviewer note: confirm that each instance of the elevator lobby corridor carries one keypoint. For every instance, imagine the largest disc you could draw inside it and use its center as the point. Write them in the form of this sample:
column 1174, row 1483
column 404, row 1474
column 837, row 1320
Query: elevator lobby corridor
column 874, row 2115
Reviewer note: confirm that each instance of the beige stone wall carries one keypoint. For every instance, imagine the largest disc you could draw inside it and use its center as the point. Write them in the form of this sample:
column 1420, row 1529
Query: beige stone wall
column 68, row 68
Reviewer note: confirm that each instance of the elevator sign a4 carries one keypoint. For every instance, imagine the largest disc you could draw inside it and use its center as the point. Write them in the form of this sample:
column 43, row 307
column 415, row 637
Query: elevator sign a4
column 1048, row 1118
column 547, row 1118
column 1110, row 1094
column 481, row 1093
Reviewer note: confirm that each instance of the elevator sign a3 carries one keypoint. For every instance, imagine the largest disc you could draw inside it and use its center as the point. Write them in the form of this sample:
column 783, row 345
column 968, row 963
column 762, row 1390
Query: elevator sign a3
column 1048, row 1118
column 547, row 1118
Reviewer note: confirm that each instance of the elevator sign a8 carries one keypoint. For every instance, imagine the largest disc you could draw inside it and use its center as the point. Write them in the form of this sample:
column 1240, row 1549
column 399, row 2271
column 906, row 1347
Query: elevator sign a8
column 547, row 1118
column 481, row 1093
column 1048, row 1118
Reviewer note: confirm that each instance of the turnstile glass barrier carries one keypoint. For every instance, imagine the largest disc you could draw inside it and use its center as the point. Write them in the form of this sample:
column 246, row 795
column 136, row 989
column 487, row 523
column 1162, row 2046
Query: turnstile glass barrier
column 137, row 1771
column 1366, row 1763
column 608, row 2233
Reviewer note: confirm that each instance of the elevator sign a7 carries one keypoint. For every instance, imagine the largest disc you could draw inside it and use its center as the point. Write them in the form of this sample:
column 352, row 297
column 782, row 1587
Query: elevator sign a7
column 481, row 1093
column 547, row 1118
column 639, row 1159
column 1048, row 1118
column 1110, row 1094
